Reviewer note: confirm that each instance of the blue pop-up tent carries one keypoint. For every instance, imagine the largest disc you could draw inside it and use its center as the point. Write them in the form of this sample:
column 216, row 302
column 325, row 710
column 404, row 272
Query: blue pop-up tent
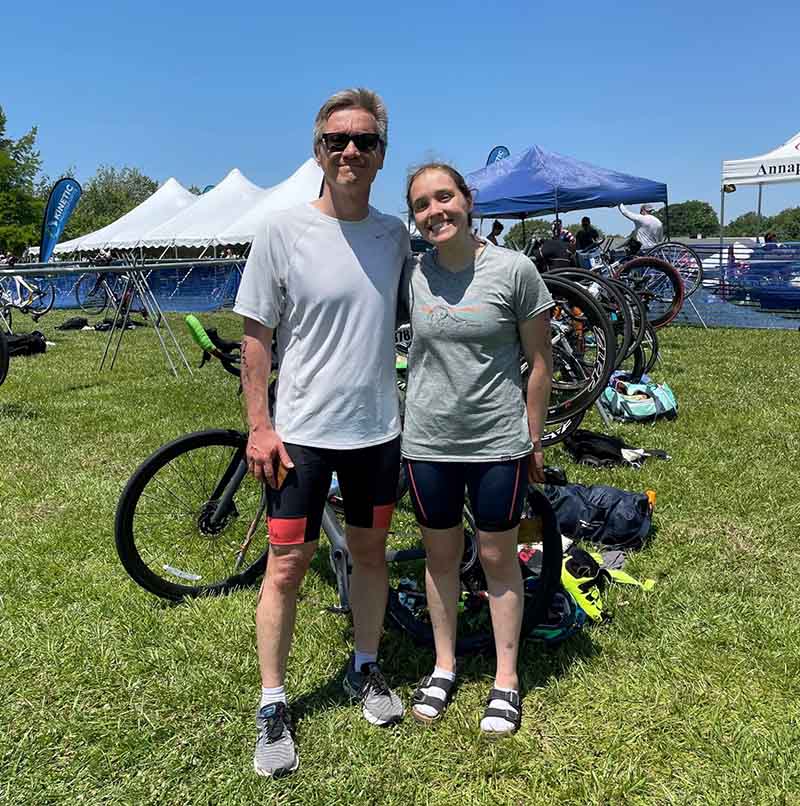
column 537, row 182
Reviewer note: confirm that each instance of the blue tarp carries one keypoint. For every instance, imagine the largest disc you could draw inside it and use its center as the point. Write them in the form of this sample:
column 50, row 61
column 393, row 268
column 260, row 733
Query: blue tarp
column 537, row 182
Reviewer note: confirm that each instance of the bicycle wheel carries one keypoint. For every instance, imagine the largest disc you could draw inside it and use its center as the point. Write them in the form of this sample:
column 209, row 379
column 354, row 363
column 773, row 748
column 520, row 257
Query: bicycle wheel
column 90, row 293
column 42, row 299
column 685, row 260
column 583, row 349
column 613, row 302
column 407, row 605
column 657, row 284
column 185, row 515
column 3, row 357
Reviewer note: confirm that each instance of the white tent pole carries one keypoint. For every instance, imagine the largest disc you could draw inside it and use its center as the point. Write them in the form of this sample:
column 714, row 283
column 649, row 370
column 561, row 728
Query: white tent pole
column 760, row 224
column 721, row 227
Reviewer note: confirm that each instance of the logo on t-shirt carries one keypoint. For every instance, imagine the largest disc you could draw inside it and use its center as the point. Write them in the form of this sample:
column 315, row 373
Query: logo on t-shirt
column 443, row 317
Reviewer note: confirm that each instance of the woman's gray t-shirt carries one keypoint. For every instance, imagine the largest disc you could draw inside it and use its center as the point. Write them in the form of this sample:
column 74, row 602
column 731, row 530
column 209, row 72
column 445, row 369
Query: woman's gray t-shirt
column 464, row 400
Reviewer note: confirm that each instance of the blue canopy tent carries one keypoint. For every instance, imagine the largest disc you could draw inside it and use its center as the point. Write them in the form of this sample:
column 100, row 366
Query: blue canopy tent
column 537, row 182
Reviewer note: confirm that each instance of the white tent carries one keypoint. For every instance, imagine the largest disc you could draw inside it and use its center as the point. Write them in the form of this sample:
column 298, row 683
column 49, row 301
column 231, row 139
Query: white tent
column 168, row 201
column 209, row 215
column 780, row 165
column 302, row 186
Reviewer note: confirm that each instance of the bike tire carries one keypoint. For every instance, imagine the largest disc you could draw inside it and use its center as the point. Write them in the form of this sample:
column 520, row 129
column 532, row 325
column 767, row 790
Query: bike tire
column 684, row 260
column 657, row 284
column 4, row 357
column 583, row 349
column 613, row 302
column 407, row 609
column 90, row 294
column 45, row 298
column 163, row 532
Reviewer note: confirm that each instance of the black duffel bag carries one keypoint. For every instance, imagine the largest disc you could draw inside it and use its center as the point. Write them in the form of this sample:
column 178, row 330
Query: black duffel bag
column 26, row 343
column 602, row 515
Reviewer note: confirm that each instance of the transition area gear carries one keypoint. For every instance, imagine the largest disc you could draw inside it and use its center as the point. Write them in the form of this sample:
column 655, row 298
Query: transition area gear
column 496, row 492
column 379, row 704
column 275, row 754
column 464, row 356
column 329, row 288
column 367, row 478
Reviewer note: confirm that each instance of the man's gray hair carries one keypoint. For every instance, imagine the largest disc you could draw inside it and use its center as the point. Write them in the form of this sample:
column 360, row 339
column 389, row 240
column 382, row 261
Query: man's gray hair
column 359, row 98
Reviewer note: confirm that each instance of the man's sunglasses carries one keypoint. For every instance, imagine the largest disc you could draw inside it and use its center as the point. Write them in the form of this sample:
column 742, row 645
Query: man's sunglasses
column 338, row 141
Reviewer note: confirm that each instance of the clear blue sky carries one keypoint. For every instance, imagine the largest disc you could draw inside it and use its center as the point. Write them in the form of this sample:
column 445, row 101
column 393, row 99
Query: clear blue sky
column 192, row 90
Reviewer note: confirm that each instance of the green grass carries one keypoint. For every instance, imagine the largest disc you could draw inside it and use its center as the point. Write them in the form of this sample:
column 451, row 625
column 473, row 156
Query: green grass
column 689, row 696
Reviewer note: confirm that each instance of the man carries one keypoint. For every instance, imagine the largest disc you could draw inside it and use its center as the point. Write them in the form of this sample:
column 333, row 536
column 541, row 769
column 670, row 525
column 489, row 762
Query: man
column 325, row 277
column 649, row 231
column 587, row 236
column 497, row 228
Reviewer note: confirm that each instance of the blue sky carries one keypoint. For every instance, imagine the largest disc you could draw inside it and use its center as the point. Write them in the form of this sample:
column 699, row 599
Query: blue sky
column 192, row 90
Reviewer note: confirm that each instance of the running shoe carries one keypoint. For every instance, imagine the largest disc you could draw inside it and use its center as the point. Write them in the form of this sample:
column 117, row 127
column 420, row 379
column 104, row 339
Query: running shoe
column 276, row 754
column 379, row 704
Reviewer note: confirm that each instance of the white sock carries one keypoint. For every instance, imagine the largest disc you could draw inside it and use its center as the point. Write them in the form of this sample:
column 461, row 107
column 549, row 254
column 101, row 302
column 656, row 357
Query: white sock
column 434, row 691
column 364, row 657
column 496, row 724
column 270, row 695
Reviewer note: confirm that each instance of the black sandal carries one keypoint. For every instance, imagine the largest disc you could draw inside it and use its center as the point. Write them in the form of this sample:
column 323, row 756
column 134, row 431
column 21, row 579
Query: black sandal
column 438, row 704
column 510, row 715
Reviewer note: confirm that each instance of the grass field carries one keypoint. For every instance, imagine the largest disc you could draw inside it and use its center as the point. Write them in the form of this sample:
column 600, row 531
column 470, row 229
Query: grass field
column 691, row 695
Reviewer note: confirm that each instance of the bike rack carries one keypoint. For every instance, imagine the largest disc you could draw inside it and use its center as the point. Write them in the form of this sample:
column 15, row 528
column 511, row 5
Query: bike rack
column 136, row 285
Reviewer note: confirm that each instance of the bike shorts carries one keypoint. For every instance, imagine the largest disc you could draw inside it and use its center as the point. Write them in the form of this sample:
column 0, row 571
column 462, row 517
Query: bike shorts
column 367, row 480
column 496, row 492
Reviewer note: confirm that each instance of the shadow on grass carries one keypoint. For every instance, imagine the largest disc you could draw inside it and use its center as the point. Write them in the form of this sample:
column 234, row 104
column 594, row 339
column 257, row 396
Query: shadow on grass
column 18, row 411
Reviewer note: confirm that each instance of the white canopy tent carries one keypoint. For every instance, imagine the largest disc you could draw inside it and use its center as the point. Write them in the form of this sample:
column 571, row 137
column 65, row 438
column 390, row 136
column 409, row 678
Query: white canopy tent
column 230, row 213
column 780, row 165
column 168, row 201
column 302, row 186
column 211, row 213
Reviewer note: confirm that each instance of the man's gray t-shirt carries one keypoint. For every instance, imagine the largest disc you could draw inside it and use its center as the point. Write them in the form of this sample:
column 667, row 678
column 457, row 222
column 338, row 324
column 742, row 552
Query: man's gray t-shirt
column 464, row 400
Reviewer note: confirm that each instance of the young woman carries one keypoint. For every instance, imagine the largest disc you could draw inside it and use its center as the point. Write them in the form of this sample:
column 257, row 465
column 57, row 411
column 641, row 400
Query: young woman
column 474, row 307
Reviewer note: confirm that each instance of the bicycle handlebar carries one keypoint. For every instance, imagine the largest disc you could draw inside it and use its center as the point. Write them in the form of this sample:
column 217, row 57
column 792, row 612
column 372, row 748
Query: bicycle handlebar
column 213, row 345
column 199, row 333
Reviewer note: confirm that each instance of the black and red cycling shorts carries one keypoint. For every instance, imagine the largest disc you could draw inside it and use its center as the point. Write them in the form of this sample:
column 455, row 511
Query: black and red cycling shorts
column 367, row 480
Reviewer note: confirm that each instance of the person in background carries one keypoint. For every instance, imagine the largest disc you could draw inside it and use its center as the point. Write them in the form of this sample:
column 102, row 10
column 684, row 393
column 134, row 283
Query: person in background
column 587, row 236
column 561, row 233
column 497, row 228
column 474, row 308
column 648, row 230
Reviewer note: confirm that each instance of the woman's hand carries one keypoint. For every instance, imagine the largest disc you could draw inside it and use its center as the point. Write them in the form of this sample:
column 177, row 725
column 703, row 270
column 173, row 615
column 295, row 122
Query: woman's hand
column 536, row 465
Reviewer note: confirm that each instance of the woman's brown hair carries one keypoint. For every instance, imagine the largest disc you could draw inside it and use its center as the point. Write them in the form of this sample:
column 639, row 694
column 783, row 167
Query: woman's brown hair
column 457, row 178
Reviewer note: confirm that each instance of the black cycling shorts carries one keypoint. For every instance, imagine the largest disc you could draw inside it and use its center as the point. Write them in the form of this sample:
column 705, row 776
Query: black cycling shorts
column 496, row 492
column 367, row 480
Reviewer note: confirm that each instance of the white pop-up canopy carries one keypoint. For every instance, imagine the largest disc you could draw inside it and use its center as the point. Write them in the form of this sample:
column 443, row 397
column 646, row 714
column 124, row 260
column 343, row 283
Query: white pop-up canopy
column 302, row 186
column 199, row 224
column 168, row 201
column 780, row 165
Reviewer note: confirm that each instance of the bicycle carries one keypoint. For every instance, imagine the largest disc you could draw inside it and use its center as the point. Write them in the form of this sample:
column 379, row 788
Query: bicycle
column 189, row 523
column 25, row 296
column 685, row 260
column 656, row 282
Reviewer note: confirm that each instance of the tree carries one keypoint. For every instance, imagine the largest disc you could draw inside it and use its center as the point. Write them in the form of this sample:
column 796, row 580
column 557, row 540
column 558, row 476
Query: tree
column 748, row 224
column 109, row 194
column 691, row 218
column 20, row 211
column 534, row 228
column 786, row 225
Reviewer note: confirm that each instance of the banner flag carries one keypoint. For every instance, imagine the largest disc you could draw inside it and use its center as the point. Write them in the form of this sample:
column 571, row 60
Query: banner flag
column 63, row 198
column 497, row 153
